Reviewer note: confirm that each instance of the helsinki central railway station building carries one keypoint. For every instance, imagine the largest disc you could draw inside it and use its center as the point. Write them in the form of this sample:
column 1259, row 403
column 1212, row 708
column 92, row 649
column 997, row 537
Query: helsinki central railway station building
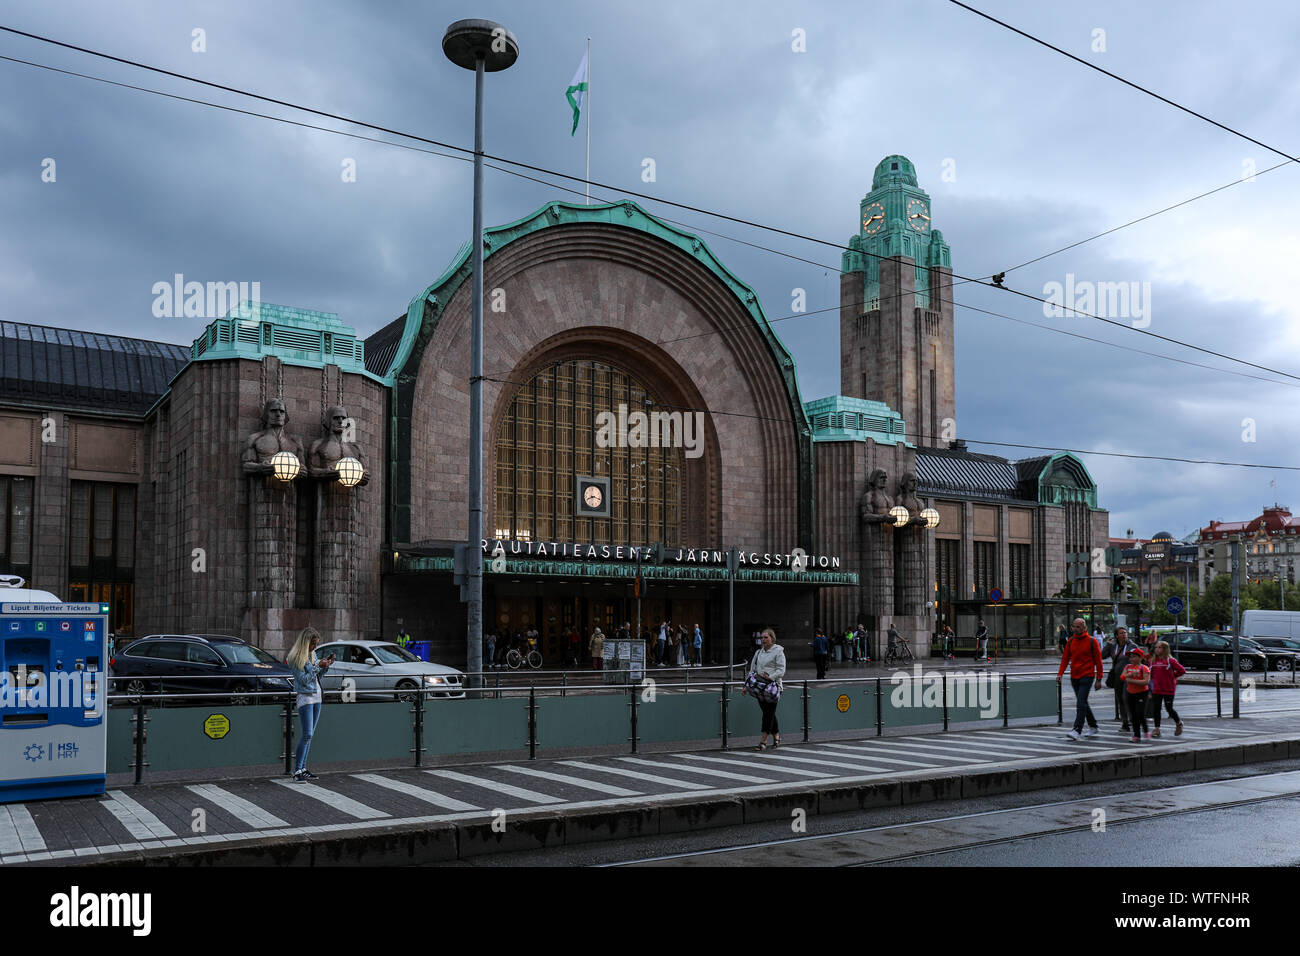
column 635, row 395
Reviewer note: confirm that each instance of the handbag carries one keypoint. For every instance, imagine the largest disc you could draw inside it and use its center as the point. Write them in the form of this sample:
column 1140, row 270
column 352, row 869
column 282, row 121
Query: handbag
column 764, row 688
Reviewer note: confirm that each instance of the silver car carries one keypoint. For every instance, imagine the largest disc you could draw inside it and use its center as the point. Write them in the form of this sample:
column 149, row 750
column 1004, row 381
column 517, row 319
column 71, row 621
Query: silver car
column 380, row 667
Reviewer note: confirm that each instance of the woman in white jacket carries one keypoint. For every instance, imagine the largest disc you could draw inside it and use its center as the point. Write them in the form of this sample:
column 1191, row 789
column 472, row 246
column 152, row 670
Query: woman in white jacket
column 768, row 662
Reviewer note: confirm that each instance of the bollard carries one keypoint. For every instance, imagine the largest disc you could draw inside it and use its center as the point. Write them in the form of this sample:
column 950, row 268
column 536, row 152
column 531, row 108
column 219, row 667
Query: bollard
column 880, row 717
column 1218, row 693
column 288, row 738
column 805, row 711
column 1005, row 708
column 724, row 715
column 138, row 738
column 419, row 725
column 1060, row 712
column 945, row 703
column 632, row 698
column 532, row 721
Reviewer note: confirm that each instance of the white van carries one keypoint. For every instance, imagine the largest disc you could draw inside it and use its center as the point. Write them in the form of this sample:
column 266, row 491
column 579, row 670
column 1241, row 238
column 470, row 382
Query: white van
column 1283, row 624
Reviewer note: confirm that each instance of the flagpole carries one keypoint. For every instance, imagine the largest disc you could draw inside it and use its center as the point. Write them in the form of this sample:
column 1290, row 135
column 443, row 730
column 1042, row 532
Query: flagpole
column 588, row 105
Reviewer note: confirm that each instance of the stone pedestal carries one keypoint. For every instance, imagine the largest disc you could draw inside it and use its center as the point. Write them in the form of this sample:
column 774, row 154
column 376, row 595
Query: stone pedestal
column 272, row 542
column 336, row 545
column 275, row 629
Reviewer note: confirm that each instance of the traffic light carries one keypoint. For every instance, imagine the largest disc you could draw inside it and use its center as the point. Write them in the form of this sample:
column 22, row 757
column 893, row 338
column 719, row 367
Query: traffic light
column 1117, row 584
column 656, row 553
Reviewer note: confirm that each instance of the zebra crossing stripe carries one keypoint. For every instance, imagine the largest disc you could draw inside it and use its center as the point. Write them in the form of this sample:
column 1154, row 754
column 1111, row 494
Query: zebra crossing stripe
column 503, row 788
column 353, row 808
column 239, row 808
column 18, row 831
column 578, row 782
column 419, row 793
column 139, row 822
column 638, row 775
column 703, row 771
column 820, row 761
column 749, row 764
column 922, row 764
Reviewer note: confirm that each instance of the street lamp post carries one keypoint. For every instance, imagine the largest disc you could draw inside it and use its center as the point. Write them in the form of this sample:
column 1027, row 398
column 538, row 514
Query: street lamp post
column 484, row 47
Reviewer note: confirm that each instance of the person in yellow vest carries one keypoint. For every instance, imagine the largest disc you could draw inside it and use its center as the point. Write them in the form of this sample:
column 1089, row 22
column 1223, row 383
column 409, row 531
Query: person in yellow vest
column 403, row 638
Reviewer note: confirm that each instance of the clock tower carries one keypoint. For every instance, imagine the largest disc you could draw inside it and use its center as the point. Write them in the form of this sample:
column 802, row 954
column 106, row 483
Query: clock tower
column 896, row 310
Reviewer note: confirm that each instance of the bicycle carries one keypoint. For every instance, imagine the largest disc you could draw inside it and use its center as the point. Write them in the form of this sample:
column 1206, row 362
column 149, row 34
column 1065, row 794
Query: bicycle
column 898, row 653
column 515, row 660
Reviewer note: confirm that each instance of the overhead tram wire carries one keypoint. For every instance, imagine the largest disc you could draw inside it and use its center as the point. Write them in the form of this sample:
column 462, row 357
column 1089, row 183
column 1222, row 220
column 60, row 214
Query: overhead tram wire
column 550, row 185
column 660, row 406
column 669, row 202
column 1137, row 86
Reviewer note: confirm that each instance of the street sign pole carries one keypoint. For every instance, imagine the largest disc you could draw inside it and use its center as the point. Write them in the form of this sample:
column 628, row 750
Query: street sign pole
column 1236, row 627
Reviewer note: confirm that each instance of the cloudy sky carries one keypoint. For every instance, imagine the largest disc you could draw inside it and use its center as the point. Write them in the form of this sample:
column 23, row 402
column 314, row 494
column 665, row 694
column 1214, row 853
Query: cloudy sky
column 1038, row 151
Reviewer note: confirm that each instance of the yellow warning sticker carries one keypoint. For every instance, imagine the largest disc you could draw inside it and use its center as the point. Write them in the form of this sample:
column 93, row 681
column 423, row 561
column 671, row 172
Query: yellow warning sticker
column 842, row 703
column 216, row 726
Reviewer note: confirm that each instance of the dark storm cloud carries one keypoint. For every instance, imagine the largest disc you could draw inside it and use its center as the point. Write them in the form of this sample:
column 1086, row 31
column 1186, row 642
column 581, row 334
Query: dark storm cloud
column 735, row 119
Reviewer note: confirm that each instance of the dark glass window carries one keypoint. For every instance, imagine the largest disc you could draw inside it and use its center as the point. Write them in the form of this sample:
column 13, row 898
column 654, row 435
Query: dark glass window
column 1019, row 578
column 16, row 527
column 101, row 550
column 549, row 437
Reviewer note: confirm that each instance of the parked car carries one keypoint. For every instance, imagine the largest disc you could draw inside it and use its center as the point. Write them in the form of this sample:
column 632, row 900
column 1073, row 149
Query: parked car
column 1281, row 643
column 1279, row 658
column 197, row 664
column 381, row 667
column 1283, row 624
column 1213, row 651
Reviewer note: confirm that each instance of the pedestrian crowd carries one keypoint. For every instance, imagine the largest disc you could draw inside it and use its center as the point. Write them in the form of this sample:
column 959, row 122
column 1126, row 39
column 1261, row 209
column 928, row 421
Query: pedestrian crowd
column 1144, row 681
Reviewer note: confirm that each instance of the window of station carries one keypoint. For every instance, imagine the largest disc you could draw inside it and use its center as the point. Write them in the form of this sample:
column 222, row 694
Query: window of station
column 16, row 527
column 101, row 550
column 549, row 437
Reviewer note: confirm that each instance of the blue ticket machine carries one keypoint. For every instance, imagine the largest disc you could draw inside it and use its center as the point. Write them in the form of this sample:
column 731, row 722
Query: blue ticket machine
column 53, row 700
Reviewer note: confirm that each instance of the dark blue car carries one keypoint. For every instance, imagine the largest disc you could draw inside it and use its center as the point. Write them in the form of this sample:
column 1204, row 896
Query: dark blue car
column 189, row 664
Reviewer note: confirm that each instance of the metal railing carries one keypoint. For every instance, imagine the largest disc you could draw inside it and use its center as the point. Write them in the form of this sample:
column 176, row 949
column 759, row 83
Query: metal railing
column 615, row 717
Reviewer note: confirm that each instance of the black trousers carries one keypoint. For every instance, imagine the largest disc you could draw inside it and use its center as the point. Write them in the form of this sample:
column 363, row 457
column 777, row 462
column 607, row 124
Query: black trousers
column 821, row 665
column 768, row 707
column 1137, row 712
column 1168, row 701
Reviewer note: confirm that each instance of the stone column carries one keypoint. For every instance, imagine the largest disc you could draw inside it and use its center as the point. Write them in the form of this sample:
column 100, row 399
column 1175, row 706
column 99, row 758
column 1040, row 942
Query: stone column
column 272, row 541
column 336, row 545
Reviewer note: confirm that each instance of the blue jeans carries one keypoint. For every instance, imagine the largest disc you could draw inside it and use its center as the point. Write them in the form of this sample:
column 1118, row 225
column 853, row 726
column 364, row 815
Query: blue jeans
column 310, row 716
column 1082, row 685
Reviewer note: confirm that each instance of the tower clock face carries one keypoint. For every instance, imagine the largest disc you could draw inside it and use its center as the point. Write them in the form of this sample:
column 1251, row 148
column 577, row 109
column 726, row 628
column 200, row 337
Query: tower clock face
column 593, row 496
column 873, row 218
column 918, row 216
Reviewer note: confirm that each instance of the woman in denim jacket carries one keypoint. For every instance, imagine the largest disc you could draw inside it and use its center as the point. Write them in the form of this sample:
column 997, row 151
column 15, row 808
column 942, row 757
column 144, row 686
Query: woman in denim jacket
column 306, row 684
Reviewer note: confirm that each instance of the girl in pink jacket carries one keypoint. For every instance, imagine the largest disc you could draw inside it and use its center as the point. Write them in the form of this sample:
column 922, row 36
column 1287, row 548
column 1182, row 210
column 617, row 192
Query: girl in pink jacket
column 1165, row 671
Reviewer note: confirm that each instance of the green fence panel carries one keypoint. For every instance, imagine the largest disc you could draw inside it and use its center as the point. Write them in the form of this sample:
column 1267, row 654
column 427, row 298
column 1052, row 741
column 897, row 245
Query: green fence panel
column 475, row 726
column 595, row 720
column 680, row 716
column 182, row 738
column 364, row 730
column 840, row 706
column 1031, row 698
column 744, row 719
column 121, row 748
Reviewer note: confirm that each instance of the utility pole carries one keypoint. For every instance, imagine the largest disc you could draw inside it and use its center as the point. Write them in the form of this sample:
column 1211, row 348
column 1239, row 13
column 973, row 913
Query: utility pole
column 1236, row 626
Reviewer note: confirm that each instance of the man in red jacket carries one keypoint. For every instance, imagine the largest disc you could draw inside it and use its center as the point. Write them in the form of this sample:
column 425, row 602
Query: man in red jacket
column 1084, row 658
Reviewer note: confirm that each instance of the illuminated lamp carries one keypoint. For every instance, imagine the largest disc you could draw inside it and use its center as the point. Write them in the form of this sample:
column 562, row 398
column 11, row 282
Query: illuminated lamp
column 350, row 472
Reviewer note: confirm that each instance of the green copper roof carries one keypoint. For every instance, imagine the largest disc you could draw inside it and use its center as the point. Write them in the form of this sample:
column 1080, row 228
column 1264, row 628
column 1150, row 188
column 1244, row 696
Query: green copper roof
column 1065, row 478
column 297, row 336
column 840, row 418
column 893, row 170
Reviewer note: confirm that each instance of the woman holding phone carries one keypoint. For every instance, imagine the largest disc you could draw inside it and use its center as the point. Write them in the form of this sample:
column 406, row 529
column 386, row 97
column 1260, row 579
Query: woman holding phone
column 306, row 684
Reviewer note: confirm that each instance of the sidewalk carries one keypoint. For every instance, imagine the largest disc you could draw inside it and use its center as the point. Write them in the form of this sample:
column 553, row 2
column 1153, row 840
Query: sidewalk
column 414, row 816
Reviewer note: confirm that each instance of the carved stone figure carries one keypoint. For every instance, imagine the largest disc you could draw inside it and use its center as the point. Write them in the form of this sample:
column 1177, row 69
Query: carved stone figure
column 272, row 438
column 876, row 501
column 331, row 446
column 907, row 496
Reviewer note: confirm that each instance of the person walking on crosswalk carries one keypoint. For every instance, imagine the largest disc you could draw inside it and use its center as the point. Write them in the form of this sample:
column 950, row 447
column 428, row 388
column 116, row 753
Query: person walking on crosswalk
column 1084, row 659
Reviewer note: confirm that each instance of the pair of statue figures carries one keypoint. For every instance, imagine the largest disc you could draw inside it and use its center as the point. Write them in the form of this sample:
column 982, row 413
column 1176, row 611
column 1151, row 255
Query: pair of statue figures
column 326, row 451
column 876, row 501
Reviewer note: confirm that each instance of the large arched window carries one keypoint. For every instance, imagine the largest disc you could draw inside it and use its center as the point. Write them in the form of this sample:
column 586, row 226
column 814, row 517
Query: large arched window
column 548, row 438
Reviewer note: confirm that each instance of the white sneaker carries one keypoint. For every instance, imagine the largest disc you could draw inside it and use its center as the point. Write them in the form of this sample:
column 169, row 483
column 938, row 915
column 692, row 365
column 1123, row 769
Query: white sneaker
column 1074, row 735
column 1090, row 732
